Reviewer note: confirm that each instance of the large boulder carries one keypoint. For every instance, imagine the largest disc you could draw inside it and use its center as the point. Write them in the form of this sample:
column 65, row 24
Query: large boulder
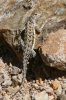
column 53, row 50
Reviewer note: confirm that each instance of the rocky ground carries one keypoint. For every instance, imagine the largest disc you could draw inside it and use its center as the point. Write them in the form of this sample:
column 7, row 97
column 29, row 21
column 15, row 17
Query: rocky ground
column 43, row 82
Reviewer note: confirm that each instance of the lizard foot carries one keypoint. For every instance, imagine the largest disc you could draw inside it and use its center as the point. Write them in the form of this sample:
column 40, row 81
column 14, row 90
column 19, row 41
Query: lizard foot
column 33, row 53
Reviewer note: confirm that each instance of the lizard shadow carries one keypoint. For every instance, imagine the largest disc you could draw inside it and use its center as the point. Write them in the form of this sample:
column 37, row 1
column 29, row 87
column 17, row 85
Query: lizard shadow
column 8, row 55
column 38, row 69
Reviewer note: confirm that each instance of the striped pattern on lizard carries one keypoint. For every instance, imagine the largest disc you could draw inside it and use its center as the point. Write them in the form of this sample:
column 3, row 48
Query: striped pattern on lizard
column 29, row 41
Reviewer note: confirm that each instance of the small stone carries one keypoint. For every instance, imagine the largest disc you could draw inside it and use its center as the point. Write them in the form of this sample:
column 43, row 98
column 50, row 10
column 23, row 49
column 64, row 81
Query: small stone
column 7, row 79
column 27, row 97
column 59, row 90
column 55, row 84
column 40, row 81
column 2, row 66
column 11, row 90
column 1, row 79
column 14, row 70
column 64, row 80
column 14, row 78
column 51, row 97
column 41, row 96
column 64, row 85
column 6, row 97
column 0, row 88
column 37, row 82
column 34, row 85
column 59, row 78
column 49, row 90
column 1, row 97
column 19, row 78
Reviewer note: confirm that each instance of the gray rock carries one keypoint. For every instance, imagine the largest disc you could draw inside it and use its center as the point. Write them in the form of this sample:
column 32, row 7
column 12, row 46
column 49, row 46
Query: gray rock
column 7, row 79
column 13, row 70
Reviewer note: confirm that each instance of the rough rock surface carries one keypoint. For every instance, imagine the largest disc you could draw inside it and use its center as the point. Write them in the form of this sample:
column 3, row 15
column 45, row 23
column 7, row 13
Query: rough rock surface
column 13, row 14
column 54, row 49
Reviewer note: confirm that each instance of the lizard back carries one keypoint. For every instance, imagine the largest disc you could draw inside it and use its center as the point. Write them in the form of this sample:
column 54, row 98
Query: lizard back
column 29, row 42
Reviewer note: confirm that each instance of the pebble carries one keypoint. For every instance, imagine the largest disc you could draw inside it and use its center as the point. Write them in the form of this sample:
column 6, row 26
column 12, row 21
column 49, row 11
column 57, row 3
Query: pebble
column 1, row 97
column 64, row 80
column 62, row 97
column 51, row 97
column 55, row 84
column 14, row 70
column 12, row 90
column 7, row 79
column 6, row 97
column 19, row 78
column 59, row 90
column 49, row 90
column 41, row 96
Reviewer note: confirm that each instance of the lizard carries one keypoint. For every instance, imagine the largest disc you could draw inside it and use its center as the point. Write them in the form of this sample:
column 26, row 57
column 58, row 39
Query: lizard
column 29, row 43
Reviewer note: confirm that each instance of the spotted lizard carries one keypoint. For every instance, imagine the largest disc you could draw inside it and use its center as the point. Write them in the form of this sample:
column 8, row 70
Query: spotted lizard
column 29, row 42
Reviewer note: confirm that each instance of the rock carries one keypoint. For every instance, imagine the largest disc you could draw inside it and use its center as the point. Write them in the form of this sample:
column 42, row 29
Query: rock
column 0, row 88
column 1, row 98
column 51, row 97
column 39, row 81
column 17, row 79
column 1, row 79
column 14, row 78
column 34, row 85
column 20, row 77
column 41, row 96
column 11, row 91
column 6, row 97
column 26, row 97
column 49, row 90
column 7, row 79
column 62, row 97
column 64, row 80
column 2, row 65
column 9, row 12
column 13, row 70
column 55, row 84
column 53, row 50
column 58, row 91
